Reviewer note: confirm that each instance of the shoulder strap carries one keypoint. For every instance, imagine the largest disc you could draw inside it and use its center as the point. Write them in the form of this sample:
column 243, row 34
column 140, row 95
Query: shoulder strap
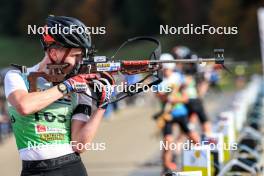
column 21, row 68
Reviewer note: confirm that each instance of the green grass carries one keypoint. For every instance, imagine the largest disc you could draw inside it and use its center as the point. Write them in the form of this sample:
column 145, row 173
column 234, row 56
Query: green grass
column 227, row 81
column 20, row 51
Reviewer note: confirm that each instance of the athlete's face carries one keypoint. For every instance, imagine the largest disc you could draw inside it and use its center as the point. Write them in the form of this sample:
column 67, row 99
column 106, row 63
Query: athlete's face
column 74, row 56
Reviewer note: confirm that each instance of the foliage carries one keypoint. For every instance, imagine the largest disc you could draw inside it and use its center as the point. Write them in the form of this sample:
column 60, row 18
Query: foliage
column 126, row 18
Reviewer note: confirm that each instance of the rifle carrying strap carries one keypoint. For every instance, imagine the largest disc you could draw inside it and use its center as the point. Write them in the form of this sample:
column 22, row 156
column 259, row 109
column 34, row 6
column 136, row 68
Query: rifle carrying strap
column 155, row 54
column 21, row 68
column 68, row 50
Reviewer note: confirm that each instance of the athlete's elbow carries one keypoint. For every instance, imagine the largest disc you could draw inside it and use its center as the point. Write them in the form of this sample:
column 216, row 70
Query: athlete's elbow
column 81, row 146
column 77, row 150
column 86, row 141
column 23, row 109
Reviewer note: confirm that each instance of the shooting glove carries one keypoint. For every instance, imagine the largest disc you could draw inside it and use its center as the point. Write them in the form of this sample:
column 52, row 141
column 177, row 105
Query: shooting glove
column 103, row 88
column 79, row 83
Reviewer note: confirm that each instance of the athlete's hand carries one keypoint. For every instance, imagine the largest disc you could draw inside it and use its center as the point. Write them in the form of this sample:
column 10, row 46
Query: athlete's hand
column 103, row 88
column 79, row 83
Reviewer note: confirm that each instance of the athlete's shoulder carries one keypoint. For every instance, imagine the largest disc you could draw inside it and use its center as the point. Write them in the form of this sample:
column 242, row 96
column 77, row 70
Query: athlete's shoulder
column 13, row 80
column 12, row 75
column 17, row 72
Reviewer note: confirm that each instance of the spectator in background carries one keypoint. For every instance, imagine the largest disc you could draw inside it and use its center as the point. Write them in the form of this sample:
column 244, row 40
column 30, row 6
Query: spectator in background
column 5, row 125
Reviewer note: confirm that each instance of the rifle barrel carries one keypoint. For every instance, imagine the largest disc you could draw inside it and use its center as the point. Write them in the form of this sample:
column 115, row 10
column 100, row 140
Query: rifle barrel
column 198, row 60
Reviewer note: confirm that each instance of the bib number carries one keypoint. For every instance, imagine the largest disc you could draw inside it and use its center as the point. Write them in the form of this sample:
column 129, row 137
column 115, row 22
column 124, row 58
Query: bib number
column 49, row 117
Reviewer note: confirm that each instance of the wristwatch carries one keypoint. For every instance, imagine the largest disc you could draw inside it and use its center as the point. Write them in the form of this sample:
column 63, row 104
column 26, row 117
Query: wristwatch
column 62, row 88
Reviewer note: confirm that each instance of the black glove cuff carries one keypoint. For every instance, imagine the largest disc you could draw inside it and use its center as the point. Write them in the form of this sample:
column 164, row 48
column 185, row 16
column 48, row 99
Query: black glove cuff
column 83, row 109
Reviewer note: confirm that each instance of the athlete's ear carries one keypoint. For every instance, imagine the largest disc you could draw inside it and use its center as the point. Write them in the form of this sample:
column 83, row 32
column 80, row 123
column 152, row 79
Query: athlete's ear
column 52, row 53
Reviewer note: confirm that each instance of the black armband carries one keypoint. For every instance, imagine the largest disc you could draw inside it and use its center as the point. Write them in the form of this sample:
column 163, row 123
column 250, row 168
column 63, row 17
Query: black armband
column 83, row 109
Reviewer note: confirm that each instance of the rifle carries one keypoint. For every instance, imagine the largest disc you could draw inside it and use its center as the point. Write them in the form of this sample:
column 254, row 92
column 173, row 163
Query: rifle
column 98, row 64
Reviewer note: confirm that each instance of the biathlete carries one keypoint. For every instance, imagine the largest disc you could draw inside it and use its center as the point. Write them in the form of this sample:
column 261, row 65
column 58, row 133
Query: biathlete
column 195, row 88
column 50, row 125
column 172, row 92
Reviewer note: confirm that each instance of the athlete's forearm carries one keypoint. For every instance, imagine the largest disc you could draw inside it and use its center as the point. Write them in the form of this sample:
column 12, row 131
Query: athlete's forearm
column 85, row 133
column 88, row 131
column 29, row 103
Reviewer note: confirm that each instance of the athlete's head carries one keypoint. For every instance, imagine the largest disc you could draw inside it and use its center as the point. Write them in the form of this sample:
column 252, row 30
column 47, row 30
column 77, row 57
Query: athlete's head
column 183, row 52
column 66, row 40
column 168, row 68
